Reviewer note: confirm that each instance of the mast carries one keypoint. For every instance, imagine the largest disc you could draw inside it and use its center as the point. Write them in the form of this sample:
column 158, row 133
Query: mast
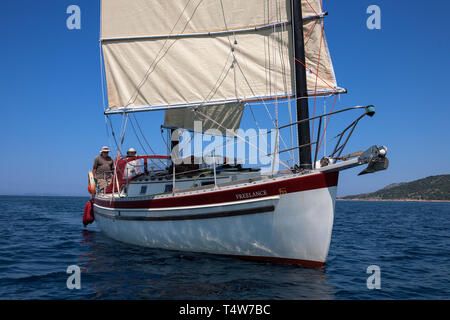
column 301, row 90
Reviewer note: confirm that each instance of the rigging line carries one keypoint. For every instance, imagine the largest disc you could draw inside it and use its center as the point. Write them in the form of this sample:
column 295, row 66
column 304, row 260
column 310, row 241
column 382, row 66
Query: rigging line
column 235, row 60
column 261, row 100
column 312, row 7
column 238, row 136
column 324, row 133
column 148, row 72
column 233, row 142
column 235, row 81
column 274, row 45
column 107, row 130
column 143, row 136
column 265, row 105
column 334, row 89
column 328, row 120
column 113, row 134
column 291, row 128
column 152, row 66
column 124, row 130
column 164, row 140
column 266, row 16
column 101, row 77
column 121, row 124
column 248, row 84
column 294, row 79
column 103, row 93
column 315, row 89
column 277, row 40
column 219, row 82
column 269, row 52
column 238, row 64
column 216, row 86
column 145, row 139
column 102, row 82
column 140, row 143
column 309, row 31
column 283, row 56
column 139, row 140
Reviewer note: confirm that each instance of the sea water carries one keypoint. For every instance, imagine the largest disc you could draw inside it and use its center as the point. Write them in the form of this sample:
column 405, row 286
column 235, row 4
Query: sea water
column 379, row 250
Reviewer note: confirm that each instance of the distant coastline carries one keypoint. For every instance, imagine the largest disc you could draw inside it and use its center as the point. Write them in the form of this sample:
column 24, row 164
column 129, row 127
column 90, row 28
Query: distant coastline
column 429, row 189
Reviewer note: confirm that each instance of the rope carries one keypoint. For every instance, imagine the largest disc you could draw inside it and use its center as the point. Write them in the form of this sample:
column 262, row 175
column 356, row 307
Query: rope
column 312, row 7
column 328, row 120
column 145, row 139
column 236, row 135
column 113, row 134
column 309, row 31
column 334, row 90
column 245, row 78
column 315, row 89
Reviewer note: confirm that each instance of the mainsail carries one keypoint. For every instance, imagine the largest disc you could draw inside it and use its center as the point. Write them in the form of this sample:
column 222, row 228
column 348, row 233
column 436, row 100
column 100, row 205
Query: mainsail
column 211, row 54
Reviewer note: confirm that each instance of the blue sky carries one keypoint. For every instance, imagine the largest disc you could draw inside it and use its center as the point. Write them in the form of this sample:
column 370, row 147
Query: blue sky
column 52, row 123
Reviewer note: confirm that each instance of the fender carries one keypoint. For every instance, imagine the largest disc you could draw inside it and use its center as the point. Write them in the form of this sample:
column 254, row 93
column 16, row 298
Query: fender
column 88, row 215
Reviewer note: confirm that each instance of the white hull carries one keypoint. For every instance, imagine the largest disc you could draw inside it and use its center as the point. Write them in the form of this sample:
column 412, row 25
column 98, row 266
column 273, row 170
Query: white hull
column 289, row 227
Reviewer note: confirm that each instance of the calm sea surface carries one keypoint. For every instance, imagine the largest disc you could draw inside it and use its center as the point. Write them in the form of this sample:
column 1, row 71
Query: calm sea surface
column 41, row 236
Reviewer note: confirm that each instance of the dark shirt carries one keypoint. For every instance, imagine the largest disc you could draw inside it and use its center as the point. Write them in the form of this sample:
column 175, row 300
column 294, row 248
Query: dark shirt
column 103, row 167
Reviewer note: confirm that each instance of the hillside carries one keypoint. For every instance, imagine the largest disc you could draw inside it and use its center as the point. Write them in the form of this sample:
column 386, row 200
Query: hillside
column 430, row 188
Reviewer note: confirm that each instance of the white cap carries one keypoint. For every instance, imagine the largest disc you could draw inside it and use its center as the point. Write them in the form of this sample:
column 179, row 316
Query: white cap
column 131, row 150
column 104, row 149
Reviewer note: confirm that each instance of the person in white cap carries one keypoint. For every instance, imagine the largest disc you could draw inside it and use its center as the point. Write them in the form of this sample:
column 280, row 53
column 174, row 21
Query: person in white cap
column 131, row 152
column 103, row 168
column 133, row 166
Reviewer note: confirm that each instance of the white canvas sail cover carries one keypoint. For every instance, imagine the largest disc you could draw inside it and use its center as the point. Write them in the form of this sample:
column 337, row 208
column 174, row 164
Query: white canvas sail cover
column 217, row 117
column 194, row 52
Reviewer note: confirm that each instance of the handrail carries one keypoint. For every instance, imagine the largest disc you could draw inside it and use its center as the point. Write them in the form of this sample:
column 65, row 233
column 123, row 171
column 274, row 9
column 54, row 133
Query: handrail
column 328, row 114
column 369, row 111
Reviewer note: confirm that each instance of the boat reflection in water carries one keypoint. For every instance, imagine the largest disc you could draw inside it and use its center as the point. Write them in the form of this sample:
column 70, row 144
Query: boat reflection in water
column 114, row 270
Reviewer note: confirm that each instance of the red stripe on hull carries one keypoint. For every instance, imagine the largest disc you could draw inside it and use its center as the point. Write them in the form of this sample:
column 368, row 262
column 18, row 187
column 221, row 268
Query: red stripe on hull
column 302, row 263
column 297, row 184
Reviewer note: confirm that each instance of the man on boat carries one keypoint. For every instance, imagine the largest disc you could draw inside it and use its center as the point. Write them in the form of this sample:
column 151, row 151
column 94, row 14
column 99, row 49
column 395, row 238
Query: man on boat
column 103, row 168
column 131, row 152
column 133, row 166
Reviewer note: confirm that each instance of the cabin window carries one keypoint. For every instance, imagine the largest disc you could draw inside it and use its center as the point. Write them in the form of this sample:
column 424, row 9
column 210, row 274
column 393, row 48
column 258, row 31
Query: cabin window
column 143, row 189
column 205, row 183
column 168, row 188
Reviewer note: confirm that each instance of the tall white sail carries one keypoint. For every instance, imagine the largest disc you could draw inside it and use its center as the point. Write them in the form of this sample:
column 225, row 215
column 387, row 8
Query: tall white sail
column 177, row 53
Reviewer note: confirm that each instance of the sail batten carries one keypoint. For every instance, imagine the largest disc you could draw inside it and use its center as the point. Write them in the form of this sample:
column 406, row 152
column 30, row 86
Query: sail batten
column 210, row 33
column 161, row 55
column 143, row 108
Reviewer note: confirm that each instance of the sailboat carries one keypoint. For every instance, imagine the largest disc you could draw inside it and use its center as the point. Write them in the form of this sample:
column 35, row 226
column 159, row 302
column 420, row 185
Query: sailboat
column 207, row 61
